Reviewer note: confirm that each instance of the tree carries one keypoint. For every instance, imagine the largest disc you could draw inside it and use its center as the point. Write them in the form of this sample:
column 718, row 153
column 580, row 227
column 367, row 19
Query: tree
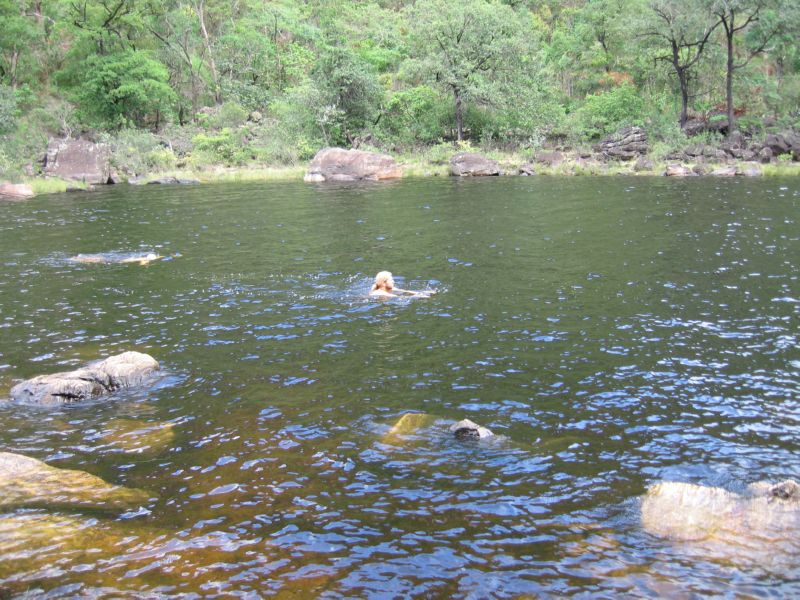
column 685, row 33
column 125, row 88
column 462, row 46
column 737, row 16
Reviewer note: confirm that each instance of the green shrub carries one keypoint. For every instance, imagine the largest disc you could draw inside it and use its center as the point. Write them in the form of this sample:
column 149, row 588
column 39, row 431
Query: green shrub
column 137, row 152
column 8, row 109
column 607, row 112
column 228, row 147
column 416, row 115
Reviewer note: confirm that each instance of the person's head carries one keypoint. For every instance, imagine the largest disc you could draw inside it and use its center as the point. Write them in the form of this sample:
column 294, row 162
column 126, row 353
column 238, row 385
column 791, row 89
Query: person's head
column 383, row 281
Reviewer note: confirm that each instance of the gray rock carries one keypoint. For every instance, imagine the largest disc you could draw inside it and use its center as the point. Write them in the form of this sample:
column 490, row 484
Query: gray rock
column 527, row 170
column 173, row 181
column 725, row 172
column 551, row 159
column 751, row 171
column 626, row 144
column 643, row 164
column 124, row 370
column 472, row 164
column 467, row 430
column 338, row 164
column 678, row 171
column 765, row 155
column 79, row 160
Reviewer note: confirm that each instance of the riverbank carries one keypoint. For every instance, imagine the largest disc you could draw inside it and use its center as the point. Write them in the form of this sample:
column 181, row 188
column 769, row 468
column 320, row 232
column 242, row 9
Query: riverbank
column 511, row 164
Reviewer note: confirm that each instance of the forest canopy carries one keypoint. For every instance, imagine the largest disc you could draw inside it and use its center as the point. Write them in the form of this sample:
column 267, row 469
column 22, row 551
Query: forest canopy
column 273, row 81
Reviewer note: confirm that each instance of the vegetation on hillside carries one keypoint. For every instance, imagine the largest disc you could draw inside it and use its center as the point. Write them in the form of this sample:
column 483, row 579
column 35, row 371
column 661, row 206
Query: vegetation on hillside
column 189, row 83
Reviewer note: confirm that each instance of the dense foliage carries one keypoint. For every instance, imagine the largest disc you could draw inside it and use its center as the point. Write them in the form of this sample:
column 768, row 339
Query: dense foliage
column 235, row 81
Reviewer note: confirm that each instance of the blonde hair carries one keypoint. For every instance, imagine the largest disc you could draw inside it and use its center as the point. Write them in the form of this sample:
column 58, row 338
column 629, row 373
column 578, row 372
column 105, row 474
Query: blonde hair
column 381, row 279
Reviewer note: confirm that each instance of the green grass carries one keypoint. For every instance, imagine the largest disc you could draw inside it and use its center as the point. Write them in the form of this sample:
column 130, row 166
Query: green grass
column 52, row 185
column 781, row 169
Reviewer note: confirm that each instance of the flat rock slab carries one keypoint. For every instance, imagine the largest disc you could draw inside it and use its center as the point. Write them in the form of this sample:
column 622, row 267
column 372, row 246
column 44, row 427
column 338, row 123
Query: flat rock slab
column 26, row 481
column 679, row 171
column 124, row 370
column 105, row 258
column 15, row 191
column 338, row 164
column 472, row 164
column 80, row 160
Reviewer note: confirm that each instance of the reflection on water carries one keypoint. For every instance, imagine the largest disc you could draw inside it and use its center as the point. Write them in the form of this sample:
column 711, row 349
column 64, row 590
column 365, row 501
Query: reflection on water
column 612, row 333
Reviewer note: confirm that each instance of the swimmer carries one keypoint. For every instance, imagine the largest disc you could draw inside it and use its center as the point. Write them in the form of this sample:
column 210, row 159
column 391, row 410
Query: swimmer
column 384, row 288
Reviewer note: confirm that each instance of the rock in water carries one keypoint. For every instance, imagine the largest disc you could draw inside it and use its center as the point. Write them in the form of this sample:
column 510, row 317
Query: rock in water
column 471, row 164
column 135, row 437
column 338, row 164
column 25, row 481
column 765, row 516
column 124, row 370
column 467, row 430
column 408, row 424
column 15, row 191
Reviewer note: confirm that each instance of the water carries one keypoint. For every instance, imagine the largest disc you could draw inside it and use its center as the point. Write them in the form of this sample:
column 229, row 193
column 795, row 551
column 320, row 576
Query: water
column 615, row 332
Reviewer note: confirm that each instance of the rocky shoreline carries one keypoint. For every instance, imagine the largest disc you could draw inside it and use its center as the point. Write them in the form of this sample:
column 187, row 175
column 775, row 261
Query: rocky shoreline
column 79, row 165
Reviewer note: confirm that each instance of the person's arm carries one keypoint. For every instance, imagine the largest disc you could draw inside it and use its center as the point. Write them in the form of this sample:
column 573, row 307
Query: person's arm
column 413, row 293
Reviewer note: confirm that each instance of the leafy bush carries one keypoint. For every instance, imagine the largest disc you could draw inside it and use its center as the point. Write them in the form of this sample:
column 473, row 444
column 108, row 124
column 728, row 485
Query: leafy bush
column 415, row 115
column 227, row 147
column 8, row 109
column 137, row 152
column 609, row 111
column 125, row 88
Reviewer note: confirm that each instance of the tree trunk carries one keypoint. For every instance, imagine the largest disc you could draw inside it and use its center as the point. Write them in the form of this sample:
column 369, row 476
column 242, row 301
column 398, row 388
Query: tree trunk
column 683, row 79
column 212, row 65
column 459, row 115
column 729, row 33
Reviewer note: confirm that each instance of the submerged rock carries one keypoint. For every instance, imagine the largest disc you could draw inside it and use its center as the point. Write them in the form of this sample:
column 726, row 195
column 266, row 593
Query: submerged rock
column 124, row 370
column 765, row 514
column 116, row 258
column 472, row 164
column 408, row 424
column 26, row 481
column 173, row 181
column 467, row 430
column 135, row 437
column 338, row 164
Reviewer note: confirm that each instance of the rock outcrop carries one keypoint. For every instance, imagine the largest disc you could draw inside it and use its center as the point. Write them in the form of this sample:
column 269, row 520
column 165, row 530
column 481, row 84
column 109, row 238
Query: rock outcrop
column 627, row 144
column 79, row 160
column 764, row 514
column 26, row 481
column 124, row 370
column 467, row 430
column 173, row 181
column 679, row 171
column 338, row 164
column 472, row 164
column 15, row 191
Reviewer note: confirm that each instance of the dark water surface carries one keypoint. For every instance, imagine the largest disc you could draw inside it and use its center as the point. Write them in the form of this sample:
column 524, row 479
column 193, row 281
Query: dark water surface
column 617, row 332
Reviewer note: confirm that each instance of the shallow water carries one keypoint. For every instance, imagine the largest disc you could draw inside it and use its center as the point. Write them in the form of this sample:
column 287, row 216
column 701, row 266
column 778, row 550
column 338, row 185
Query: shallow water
column 615, row 332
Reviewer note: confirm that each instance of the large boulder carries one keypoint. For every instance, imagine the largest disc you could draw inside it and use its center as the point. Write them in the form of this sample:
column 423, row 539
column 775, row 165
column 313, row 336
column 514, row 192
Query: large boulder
column 338, row 164
column 79, row 160
column 472, row 164
column 764, row 513
column 124, row 370
column 26, row 481
column 15, row 191
column 627, row 144
column 678, row 171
